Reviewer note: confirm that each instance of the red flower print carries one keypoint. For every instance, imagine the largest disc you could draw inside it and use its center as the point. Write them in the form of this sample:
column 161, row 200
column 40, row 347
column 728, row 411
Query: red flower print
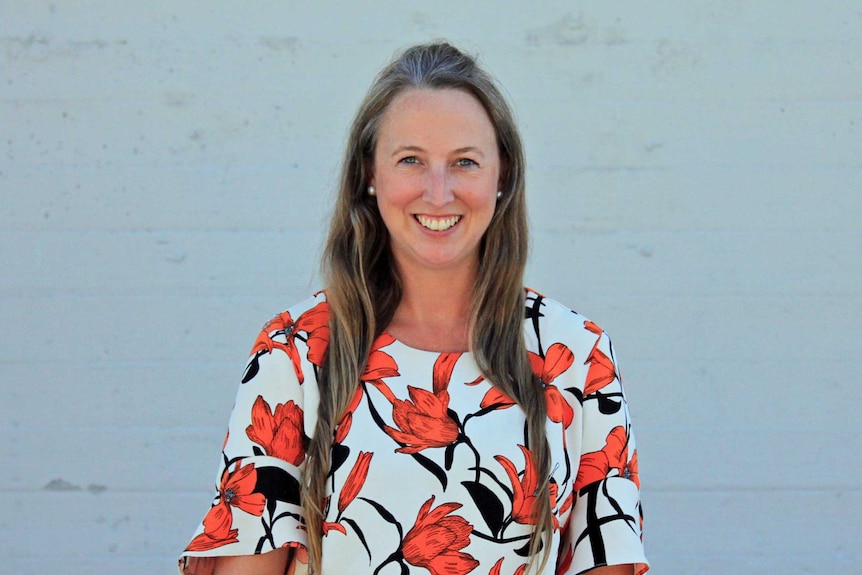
column 479, row 379
column 631, row 470
column 423, row 421
column 280, row 434
column 328, row 526
column 593, row 467
column 217, row 530
column 596, row 465
column 590, row 326
column 443, row 368
column 495, row 570
column 558, row 358
column 534, row 292
column 352, row 486
column 380, row 364
column 523, row 488
column 559, row 409
column 617, row 449
column 553, row 490
column 347, row 419
column 496, row 397
column 354, row 482
column 236, row 490
column 601, row 372
column 315, row 322
column 436, row 540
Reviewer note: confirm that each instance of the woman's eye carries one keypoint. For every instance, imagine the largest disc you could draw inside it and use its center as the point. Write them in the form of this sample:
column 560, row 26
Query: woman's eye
column 409, row 160
column 466, row 163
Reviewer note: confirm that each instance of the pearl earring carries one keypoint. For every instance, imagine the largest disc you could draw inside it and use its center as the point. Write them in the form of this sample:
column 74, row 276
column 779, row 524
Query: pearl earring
column 499, row 194
column 372, row 191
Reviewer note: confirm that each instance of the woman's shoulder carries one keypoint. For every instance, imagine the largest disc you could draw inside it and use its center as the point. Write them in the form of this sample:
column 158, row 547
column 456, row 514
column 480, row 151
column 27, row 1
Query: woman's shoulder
column 314, row 304
column 300, row 333
column 306, row 315
column 548, row 321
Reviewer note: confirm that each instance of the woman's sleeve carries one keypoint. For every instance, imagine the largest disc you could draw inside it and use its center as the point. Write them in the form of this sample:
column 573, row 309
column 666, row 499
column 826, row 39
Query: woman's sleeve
column 604, row 526
column 256, row 504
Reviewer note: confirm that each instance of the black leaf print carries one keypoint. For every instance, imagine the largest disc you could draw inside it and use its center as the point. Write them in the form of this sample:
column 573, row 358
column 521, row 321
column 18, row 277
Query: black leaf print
column 524, row 550
column 385, row 514
column 259, row 548
column 433, row 468
column 449, row 455
column 607, row 405
column 338, row 457
column 251, row 369
column 359, row 534
column 271, row 503
column 579, row 395
column 276, row 483
column 533, row 313
column 594, row 526
column 488, row 503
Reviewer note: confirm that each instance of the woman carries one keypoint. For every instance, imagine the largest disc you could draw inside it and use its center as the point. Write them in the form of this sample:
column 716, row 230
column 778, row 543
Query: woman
column 410, row 419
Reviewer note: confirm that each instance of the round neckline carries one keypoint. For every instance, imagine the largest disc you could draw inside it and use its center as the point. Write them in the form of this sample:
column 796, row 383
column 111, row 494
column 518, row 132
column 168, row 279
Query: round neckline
column 420, row 350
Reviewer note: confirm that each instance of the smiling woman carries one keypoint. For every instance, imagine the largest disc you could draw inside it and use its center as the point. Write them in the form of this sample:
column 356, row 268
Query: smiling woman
column 436, row 174
column 426, row 413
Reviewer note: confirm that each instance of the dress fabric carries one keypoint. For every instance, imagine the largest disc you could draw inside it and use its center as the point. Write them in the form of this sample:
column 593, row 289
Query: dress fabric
column 430, row 467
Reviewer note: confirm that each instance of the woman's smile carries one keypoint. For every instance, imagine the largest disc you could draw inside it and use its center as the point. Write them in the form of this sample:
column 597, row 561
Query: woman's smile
column 437, row 224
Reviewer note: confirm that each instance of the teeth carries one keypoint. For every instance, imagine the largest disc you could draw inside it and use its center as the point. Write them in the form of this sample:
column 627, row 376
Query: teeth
column 438, row 224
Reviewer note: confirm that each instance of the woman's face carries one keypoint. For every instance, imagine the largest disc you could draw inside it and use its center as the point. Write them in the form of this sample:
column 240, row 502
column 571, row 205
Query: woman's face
column 436, row 172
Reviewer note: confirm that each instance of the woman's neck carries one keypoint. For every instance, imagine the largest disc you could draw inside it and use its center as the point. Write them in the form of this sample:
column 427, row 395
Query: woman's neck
column 434, row 312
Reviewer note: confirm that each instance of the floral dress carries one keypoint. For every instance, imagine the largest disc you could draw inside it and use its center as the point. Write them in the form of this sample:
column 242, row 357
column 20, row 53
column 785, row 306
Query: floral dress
column 430, row 470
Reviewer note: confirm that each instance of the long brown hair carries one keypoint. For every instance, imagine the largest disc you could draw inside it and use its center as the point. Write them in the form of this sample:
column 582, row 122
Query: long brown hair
column 364, row 288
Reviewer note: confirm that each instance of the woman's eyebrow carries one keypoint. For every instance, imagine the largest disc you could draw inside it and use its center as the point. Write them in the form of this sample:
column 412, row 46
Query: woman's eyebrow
column 466, row 149
column 410, row 148
column 414, row 148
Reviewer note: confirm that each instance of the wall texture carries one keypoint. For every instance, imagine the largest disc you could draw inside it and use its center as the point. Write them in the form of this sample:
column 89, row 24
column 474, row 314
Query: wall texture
column 695, row 179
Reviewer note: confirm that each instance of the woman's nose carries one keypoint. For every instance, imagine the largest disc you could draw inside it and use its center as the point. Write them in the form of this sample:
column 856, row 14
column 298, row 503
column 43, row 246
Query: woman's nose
column 438, row 187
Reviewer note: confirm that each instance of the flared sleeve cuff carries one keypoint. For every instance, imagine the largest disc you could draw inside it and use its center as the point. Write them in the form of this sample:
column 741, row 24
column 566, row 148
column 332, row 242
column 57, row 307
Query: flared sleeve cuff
column 257, row 509
column 604, row 528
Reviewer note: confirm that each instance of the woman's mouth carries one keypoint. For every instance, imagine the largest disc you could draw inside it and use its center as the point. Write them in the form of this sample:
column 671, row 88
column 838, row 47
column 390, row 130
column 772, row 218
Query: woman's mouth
column 437, row 224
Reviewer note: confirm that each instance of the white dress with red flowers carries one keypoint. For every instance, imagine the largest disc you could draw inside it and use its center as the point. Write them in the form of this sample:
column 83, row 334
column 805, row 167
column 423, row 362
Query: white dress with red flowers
column 431, row 472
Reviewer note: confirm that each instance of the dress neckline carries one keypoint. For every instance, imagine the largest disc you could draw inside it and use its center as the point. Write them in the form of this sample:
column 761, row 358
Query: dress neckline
column 419, row 349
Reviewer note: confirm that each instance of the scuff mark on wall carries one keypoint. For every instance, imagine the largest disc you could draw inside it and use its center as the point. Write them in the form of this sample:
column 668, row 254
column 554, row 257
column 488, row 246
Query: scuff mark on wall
column 60, row 484
column 566, row 31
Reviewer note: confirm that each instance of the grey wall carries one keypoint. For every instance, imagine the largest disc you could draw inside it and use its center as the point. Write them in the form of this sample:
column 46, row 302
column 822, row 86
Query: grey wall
column 694, row 180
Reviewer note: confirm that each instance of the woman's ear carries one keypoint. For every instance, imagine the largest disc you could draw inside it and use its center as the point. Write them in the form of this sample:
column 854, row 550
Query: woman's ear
column 369, row 172
column 504, row 174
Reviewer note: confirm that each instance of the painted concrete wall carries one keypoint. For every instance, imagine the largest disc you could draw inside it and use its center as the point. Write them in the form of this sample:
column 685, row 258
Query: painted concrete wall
column 695, row 172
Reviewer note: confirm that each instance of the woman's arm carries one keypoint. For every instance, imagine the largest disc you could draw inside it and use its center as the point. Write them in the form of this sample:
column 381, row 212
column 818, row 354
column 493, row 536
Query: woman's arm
column 613, row 570
column 272, row 563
